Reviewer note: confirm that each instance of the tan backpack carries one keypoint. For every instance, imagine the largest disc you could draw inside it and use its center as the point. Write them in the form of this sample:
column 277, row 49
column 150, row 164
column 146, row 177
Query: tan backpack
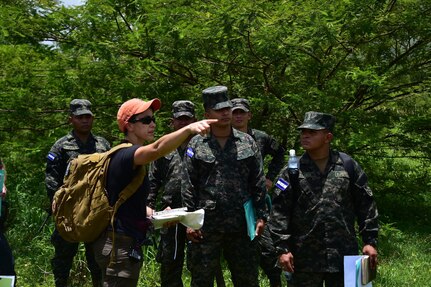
column 81, row 208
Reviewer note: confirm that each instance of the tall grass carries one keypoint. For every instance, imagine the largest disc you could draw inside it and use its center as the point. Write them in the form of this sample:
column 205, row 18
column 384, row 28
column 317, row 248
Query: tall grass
column 404, row 247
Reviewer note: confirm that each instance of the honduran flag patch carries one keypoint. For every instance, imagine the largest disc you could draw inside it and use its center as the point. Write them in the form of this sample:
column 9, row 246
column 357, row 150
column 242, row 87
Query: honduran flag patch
column 51, row 156
column 281, row 184
column 190, row 152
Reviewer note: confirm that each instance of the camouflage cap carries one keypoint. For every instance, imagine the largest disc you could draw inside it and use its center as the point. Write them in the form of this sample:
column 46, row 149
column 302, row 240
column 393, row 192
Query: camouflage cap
column 240, row 103
column 216, row 98
column 80, row 107
column 183, row 108
column 318, row 121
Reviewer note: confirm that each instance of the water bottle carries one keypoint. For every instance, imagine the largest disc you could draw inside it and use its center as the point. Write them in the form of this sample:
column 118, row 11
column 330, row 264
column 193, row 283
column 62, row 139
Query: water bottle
column 293, row 162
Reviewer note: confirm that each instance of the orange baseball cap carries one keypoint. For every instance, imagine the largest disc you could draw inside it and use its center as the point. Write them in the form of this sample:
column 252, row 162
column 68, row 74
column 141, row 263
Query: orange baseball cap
column 133, row 107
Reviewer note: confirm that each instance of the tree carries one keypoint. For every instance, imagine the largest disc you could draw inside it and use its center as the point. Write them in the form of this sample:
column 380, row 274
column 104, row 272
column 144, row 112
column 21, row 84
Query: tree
column 367, row 62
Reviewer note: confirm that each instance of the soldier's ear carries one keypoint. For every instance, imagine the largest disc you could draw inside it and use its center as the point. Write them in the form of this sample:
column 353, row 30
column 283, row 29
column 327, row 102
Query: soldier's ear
column 329, row 137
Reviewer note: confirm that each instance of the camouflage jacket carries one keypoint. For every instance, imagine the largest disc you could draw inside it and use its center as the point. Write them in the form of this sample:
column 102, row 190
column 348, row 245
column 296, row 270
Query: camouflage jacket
column 166, row 174
column 221, row 180
column 316, row 220
column 65, row 149
column 269, row 146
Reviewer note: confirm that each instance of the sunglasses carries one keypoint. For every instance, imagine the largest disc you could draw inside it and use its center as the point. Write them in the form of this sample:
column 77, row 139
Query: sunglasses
column 145, row 120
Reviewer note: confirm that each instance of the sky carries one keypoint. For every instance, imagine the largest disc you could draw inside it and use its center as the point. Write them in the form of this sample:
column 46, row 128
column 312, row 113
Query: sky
column 72, row 2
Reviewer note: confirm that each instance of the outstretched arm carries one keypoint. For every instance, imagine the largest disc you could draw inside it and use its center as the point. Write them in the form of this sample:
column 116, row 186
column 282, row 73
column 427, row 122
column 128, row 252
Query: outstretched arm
column 169, row 142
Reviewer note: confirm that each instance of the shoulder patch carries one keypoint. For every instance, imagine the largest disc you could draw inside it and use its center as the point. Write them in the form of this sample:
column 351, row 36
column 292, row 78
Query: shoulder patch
column 281, row 184
column 51, row 156
column 190, row 153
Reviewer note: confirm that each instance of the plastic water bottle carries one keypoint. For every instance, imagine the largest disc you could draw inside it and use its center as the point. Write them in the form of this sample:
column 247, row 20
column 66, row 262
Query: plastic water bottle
column 293, row 162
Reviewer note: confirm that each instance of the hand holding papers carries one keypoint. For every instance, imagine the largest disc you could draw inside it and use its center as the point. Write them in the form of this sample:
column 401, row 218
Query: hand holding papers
column 357, row 271
column 194, row 219
column 367, row 274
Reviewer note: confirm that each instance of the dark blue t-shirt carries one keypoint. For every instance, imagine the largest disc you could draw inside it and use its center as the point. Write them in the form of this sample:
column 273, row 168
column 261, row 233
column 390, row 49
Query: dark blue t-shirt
column 131, row 216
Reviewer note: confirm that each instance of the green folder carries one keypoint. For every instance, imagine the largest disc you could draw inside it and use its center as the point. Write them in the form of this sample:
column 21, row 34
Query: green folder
column 250, row 215
column 250, row 218
column 7, row 281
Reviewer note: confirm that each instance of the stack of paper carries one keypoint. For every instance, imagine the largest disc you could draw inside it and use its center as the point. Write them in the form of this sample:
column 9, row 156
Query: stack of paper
column 367, row 274
column 194, row 219
column 357, row 271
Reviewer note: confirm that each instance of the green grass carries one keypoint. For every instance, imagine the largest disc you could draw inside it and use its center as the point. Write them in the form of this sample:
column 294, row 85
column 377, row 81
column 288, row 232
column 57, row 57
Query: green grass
column 405, row 244
column 404, row 249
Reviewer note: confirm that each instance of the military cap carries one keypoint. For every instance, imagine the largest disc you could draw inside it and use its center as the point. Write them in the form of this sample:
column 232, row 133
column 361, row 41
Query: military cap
column 240, row 103
column 318, row 121
column 216, row 98
column 80, row 107
column 183, row 108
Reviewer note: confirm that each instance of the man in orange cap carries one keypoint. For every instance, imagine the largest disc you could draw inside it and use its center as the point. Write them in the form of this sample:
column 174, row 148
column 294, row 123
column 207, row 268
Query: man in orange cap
column 136, row 120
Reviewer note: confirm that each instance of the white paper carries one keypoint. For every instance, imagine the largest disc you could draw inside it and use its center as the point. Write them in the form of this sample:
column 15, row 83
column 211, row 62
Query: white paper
column 352, row 278
column 194, row 219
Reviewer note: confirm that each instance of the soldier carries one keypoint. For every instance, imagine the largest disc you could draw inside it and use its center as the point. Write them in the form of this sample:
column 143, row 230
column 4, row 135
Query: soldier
column 241, row 115
column 136, row 120
column 315, row 209
column 79, row 141
column 268, row 146
column 166, row 174
column 224, row 170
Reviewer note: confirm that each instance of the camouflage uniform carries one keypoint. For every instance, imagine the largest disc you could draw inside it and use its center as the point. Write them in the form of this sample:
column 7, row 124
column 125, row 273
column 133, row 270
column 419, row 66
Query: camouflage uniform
column 65, row 149
column 220, row 181
column 316, row 219
column 267, row 146
column 166, row 174
column 268, row 257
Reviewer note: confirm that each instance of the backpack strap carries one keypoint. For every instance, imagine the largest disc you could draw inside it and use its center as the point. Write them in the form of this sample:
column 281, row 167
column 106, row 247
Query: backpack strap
column 125, row 194
column 116, row 148
column 348, row 166
column 129, row 190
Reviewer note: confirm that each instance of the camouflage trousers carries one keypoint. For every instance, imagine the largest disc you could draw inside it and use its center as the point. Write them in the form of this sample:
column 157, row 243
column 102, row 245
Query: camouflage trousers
column 171, row 255
column 268, row 258
column 316, row 279
column 63, row 259
column 240, row 253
